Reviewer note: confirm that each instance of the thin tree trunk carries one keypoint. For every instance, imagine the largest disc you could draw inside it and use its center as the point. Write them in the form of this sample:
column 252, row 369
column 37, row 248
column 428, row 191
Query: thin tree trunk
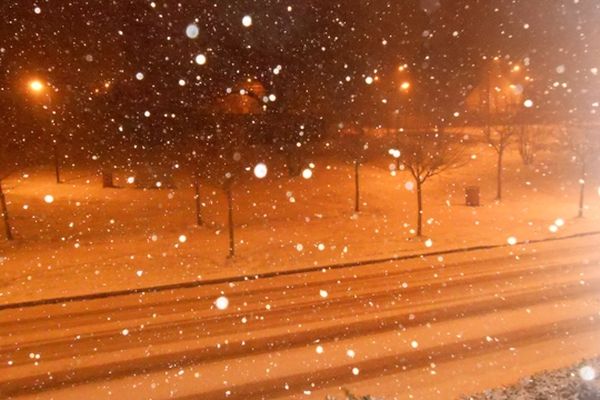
column 526, row 146
column 356, row 186
column 230, row 221
column 107, row 178
column 581, row 190
column 4, row 209
column 397, row 134
column 199, row 221
column 419, row 208
column 293, row 161
column 56, row 161
column 499, row 175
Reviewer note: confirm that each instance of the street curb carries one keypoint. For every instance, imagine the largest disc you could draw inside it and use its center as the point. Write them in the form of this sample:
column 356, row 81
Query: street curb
column 275, row 274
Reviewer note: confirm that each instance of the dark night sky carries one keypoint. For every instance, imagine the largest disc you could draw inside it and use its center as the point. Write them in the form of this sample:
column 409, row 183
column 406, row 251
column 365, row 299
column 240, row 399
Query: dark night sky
column 82, row 44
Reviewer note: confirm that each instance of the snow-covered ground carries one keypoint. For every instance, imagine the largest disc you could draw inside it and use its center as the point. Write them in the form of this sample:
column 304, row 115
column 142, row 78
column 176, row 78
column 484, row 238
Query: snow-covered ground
column 90, row 239
column 430, row 328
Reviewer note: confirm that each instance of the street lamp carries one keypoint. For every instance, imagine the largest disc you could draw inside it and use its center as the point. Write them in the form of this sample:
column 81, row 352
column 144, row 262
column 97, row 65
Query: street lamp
column 404, row 88
column 37, row 87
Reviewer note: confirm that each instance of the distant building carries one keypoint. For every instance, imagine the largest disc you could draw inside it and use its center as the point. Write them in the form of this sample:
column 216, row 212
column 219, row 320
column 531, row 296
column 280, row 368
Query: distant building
column 245, row 98
column 503, row 90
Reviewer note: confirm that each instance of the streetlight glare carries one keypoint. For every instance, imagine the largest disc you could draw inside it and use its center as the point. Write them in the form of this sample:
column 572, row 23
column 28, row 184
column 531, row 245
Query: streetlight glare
column 36, row 85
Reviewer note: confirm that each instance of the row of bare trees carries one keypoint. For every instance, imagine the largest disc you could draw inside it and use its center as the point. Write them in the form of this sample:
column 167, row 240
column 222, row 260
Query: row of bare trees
column 424, row 152
column 427, row 152
column 580, row 140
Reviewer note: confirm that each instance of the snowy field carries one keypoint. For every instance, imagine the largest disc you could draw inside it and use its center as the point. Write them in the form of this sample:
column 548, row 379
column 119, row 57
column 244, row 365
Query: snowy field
column 78, row 238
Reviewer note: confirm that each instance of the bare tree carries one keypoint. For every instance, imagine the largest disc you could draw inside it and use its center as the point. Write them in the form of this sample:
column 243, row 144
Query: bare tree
column 497, row 99
column 527, row 143
column 196, row 157
column 227, row 184
column 499, row 138
column 106, row 121
column 4, row 211
column 428, row 153
column 533, row 138
column 198, row 200
column 223, row 172
column 205, row 148
column 354, row 145
column 584, row 143
column 500, row 127
column 9, row 162
column 232, row 173
column 228, row 170
column 9, row 157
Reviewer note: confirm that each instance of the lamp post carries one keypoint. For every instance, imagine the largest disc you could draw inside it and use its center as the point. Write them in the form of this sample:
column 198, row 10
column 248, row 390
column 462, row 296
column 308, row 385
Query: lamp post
column 37, row 87
column 404, row 89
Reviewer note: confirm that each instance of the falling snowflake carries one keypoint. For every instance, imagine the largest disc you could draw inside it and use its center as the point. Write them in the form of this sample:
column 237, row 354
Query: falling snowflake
column 192, row 31
column 222, row 303
column 200, row 59
column 307, row 173
column 587, row 373
column 260, row 170
column 247, row 21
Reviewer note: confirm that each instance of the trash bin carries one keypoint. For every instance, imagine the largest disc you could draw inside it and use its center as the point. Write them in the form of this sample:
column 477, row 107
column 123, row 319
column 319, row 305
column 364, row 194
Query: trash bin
column 472, row 196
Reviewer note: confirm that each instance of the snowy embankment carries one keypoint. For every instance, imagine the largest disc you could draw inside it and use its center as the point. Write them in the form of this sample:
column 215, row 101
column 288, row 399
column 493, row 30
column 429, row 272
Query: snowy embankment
column 578, row 382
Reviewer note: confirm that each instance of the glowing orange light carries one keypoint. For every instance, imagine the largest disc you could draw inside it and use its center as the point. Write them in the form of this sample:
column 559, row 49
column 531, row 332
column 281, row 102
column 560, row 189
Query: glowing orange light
column 405, row 86
column 36, row 86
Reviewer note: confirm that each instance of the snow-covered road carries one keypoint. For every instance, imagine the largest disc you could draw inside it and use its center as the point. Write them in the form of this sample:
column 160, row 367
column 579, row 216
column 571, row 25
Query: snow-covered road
column 433, row 327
